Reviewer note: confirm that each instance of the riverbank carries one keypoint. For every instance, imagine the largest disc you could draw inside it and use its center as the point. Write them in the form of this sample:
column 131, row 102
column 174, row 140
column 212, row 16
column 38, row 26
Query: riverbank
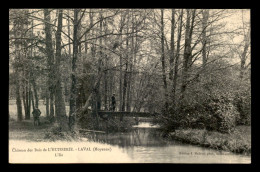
column 239, row 141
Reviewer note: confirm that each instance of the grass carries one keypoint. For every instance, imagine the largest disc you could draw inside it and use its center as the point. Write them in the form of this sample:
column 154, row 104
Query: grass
column 46, row 131
column 239, row 141
column 25, row 130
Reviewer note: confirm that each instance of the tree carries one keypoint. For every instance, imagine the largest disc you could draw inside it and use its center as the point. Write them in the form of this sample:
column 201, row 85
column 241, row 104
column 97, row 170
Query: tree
column 205, row 16
column 73, row 90
column 60, row 109
column 176, row 65
column 187, row 57
column 163, row 60
column 172, row 55
column 50, row 59
column 20, row 23
column 246, row 48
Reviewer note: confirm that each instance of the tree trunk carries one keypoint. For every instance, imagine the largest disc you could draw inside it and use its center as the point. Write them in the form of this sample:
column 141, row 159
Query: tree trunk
column 120, row 83
column 30, row 80
column 205, row 16
column 50, row 60
column 52, row 106
column 124, row 84
column 69, row 59
column 111, row 86
column 73, row 90
column 60, row 109
column 243, row 56
column 32, row 100
column 100, row 57
column 79, row 82
column 35, row 91
column 28, row 101
column 177, row 60
column 128, row 93
column 163, row 61
column 25, row 97
column 106, row 73
column 187, row 51
column 68, row 19
column 18, row 98
column 18, row 77
column 105, row 90
column 125, row 73
column 121, row 65
column 47, row 97
column 128, row 97
column 172, row 45
column 124, row 87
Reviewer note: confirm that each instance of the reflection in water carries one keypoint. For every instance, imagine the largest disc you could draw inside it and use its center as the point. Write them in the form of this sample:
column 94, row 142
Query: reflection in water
column 143, row 144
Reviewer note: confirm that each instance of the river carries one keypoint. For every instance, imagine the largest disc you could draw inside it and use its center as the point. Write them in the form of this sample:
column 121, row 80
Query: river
column 144, row 145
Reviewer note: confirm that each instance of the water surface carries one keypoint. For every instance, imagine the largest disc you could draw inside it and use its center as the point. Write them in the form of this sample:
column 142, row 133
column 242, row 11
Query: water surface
column 144, row 145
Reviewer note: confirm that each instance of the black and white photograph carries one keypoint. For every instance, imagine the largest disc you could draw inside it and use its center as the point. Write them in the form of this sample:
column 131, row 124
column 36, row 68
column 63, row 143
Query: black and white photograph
column 129, row 85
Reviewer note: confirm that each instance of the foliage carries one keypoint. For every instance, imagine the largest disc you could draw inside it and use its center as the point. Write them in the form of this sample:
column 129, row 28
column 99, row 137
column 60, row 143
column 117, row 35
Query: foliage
column 221, row 114
column 216, row 112
column 242, row 101
column 208, row 104
column 215, row 101
column 85, row 120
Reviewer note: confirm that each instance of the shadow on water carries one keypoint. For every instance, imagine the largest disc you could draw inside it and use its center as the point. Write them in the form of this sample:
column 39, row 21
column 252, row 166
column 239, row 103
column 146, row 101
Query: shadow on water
column 136, row 137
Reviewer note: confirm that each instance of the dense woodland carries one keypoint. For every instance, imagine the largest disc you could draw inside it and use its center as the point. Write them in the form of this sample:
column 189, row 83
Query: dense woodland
column 191, row 66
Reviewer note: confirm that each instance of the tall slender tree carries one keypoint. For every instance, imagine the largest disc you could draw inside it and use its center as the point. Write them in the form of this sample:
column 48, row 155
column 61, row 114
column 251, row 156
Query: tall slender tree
column 172, row 55
column 60, row 109
column 176, row 65
column 187, row 57
column 205, row 16
column 163, row 60
column 50, row 59
column 73, row 90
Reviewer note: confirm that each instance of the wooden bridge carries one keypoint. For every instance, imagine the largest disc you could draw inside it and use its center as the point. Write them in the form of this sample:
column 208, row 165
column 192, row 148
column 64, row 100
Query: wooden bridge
column 137, row 116
column 108, row 114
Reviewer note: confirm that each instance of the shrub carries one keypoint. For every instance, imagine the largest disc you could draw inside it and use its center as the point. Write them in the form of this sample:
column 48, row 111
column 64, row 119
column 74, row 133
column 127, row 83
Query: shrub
column 242, row 101
column 215, row 113
column 168, row 120
column 213, row 110
column 221, row 115
column 55, row 133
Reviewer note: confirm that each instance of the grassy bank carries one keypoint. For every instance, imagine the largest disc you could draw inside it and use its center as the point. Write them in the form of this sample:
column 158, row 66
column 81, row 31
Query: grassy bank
column 46, row 131
column 25, row 130
column 239, row 141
